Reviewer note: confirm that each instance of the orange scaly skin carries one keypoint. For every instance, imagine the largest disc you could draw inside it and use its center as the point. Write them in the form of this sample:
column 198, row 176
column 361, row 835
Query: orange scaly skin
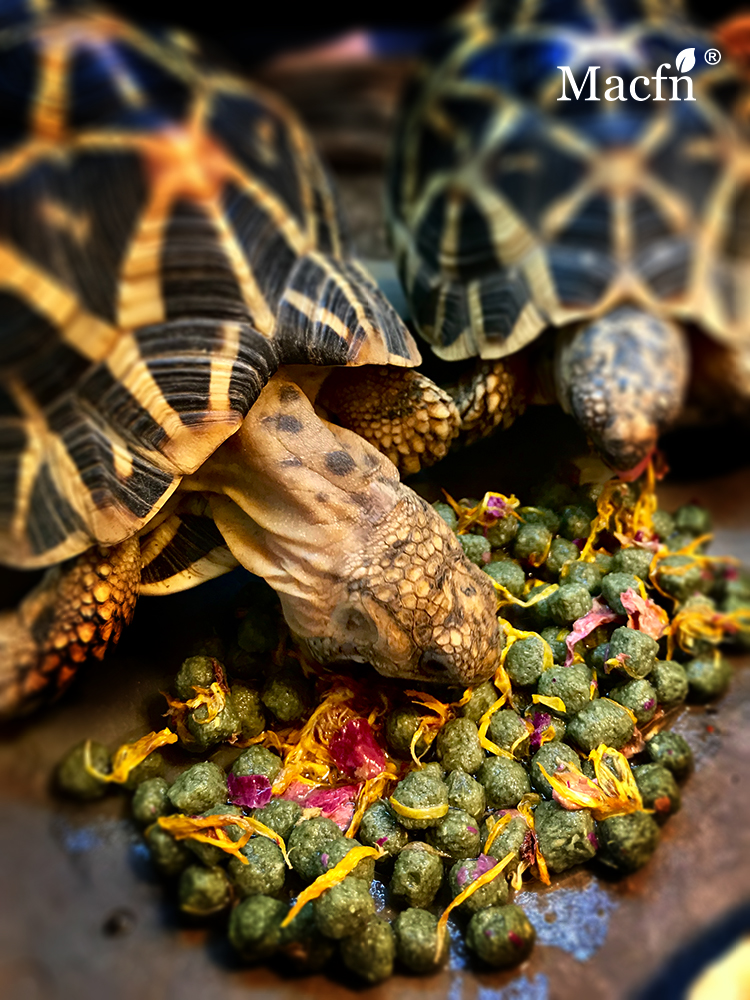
column 77, row 611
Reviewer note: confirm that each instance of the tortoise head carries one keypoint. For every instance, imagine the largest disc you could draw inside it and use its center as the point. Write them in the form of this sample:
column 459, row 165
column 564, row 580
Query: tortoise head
column 366, row 570
column 623, row 377
column 414, row 607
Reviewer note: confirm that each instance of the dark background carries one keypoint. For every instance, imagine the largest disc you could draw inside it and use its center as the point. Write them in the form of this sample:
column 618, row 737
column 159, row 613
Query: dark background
column 252, row 32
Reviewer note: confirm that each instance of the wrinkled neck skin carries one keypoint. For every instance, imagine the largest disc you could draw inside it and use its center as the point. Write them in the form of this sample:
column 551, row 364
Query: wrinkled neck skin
column 365, row 569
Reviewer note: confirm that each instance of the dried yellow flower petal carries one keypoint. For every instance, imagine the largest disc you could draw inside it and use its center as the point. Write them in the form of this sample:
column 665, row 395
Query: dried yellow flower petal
column 551, row 701
column 470, row 889
column 129, row 755
column 330, row 878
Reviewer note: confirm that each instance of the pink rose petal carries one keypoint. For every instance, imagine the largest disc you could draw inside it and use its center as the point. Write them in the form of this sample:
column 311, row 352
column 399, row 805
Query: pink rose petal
column 355, row 750
column 253, row 791
column 644, row 614
column 599, row 615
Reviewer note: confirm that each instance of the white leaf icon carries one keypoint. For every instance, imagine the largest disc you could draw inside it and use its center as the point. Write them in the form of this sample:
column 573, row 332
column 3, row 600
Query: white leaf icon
column 685, row 60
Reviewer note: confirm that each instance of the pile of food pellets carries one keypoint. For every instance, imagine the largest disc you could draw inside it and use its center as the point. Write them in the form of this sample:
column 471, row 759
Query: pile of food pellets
column 362, row 822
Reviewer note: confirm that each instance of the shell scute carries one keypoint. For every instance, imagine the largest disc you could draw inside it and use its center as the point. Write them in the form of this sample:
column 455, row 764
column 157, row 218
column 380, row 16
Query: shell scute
column 153, row 210
column 596, row 202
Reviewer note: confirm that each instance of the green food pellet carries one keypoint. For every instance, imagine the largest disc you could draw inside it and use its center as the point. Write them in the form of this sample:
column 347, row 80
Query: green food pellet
column 708, row 677
column 604, row 561
column 209, row 854
column 639, row 696
column 692, row 518
column 344, row 909
column 195, row 672
column 465, row 792
column 286, row 694
column 415, row 931
column 241, row 664
column 72, row 777
column 671, row 751
column 379, row 828
column 207, row 732
column 475, row 547
column 151, row 767
column 468, row 870
column 197, row 789
column 302, row 944
column 658, row 789
column 540, row 515
column 336, row 850
column 532, row 543
column 420, row 790
column 456, row 834
column 371, row 952
column 503, row 531
column 257, row 760
column 601, row 721
column 169, row 855
column 561, row 551
column 265, row 872
column 614, row 584
column 566, row 838
column 280, row 815
column 634, row 650
column 212, row 646
column 555, row 638
column 505, row 782
column 572, row 684
column 483, row 696
column 417, row 876
column 570, row 602
column 400, row 727
column 508, row 574
column 150, row 801
column 585, row 574
column 550, row 756
column 627, row 842
column 510, row 840
column 525, row 660
column 680, row 576
column 634, row 561
column 249, row 709
column 678, row 540
column 458, row 746
column 257, row 634
column 671, row 683
column 447, row 513
column 255, row 927
column 306, row 841
column 203, row 891
column 506, row 728
column 576, row 522
column 663, row 523
column 501, row 935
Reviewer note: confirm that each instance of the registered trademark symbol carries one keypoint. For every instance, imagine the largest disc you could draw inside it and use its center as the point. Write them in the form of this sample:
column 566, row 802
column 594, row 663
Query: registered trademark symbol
column 712, row 57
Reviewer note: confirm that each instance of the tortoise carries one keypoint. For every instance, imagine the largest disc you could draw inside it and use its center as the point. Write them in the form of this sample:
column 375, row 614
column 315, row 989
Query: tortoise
column 590, row 246
column 175, row 290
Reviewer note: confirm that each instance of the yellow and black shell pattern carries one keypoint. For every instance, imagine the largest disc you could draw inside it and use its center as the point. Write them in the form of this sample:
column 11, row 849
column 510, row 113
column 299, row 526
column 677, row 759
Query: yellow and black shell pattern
column 168, row 237
column 512, row 210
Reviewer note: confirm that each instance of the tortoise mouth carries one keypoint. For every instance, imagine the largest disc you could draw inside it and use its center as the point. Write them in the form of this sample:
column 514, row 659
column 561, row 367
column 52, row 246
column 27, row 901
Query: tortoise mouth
column 630, row 475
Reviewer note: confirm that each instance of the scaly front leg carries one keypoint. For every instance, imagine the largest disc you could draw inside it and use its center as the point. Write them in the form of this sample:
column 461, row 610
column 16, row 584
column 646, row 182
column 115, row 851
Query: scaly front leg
column 77, row 610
